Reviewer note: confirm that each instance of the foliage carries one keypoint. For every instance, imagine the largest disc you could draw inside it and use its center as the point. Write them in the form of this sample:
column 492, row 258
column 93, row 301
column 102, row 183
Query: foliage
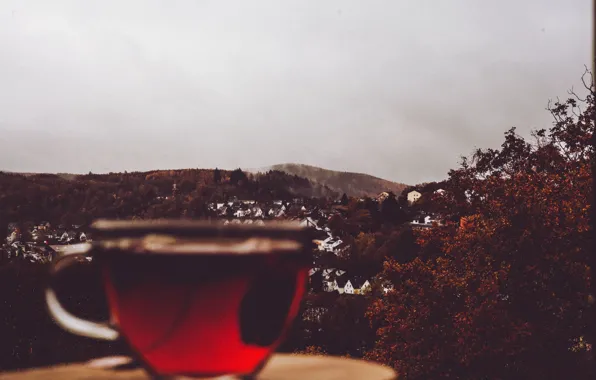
column 507, row 295
column 238, row 177
column 312, row 350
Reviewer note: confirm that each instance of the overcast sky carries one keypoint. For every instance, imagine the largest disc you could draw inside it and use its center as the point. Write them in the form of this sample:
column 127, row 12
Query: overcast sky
column 397, row 89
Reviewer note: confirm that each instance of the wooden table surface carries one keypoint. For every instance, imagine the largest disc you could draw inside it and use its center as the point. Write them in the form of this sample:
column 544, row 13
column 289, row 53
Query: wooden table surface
column 279, row 367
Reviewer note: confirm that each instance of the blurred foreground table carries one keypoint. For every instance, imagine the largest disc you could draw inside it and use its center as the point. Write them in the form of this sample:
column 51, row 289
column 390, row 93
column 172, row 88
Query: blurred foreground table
column 279, row 367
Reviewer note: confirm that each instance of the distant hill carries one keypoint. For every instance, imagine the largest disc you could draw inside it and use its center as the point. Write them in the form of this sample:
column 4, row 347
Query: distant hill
column 66, row 176
column 80, row 199
column 353, row 184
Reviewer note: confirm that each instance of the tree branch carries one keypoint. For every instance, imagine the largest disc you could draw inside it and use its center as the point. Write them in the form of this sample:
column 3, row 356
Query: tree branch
column 589, row 87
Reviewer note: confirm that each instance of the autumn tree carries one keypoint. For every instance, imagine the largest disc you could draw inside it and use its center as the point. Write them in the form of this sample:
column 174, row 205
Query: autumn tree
column 391, row 211
column 186, row 186
column 508, row 295
column 237, row 177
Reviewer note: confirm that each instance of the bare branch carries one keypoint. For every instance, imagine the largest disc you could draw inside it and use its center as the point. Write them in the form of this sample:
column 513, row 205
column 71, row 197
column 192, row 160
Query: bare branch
column 575, row 95
column 590, row 86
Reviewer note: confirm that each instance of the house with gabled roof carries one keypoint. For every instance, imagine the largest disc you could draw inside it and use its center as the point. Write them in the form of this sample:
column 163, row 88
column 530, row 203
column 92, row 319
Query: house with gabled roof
column 257, row 212
column 329, row 278
column 360, row 285
column 382, row 196
column 330, row 244
column 351, row 285
column 413, row 196
column 341, row 283
column 241, row 213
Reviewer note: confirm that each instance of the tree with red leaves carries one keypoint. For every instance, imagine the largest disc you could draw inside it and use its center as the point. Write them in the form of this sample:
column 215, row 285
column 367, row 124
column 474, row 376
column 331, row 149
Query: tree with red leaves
column 506, row 295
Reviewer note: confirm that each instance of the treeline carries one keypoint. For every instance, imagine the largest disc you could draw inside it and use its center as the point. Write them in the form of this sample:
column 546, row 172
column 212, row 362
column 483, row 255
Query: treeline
column 52, row 198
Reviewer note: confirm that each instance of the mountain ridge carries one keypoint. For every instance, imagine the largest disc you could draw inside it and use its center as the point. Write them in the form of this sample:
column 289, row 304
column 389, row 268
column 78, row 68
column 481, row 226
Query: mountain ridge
column 351, row 183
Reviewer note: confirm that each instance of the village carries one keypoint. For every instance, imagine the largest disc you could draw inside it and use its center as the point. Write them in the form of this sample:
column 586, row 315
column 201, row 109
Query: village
column 42, row 243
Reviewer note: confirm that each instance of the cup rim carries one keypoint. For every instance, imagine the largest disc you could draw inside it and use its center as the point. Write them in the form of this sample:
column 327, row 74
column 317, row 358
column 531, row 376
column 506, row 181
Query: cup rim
column 197, row 228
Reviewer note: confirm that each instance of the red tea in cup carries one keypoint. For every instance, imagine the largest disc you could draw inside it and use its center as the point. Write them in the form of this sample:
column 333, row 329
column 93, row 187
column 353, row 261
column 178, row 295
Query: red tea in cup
column 196, row 298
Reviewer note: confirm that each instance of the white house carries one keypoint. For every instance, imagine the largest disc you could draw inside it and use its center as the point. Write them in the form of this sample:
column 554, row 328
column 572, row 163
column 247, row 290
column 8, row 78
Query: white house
column 331, row 286
column 360, row 285
column 348, row 288
column 413, row 196
column 240, row 213
column 327, row 273
column 328, row 284
column 346, row 285
column 329, row 244
column 257, row 212
column 67, row 237
column 365, row 287
column 426, row 223
column 440, row 192
column 334, row 245
column 384, row 195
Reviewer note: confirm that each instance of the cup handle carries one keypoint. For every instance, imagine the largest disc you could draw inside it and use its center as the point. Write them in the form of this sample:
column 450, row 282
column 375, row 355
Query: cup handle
column 63, row 318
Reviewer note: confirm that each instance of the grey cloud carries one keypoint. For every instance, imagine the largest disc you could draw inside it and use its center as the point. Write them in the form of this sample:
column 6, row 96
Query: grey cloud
column 397, row 89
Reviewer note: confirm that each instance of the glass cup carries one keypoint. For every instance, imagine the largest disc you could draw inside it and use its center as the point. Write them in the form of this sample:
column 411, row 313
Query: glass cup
column 194, row 298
